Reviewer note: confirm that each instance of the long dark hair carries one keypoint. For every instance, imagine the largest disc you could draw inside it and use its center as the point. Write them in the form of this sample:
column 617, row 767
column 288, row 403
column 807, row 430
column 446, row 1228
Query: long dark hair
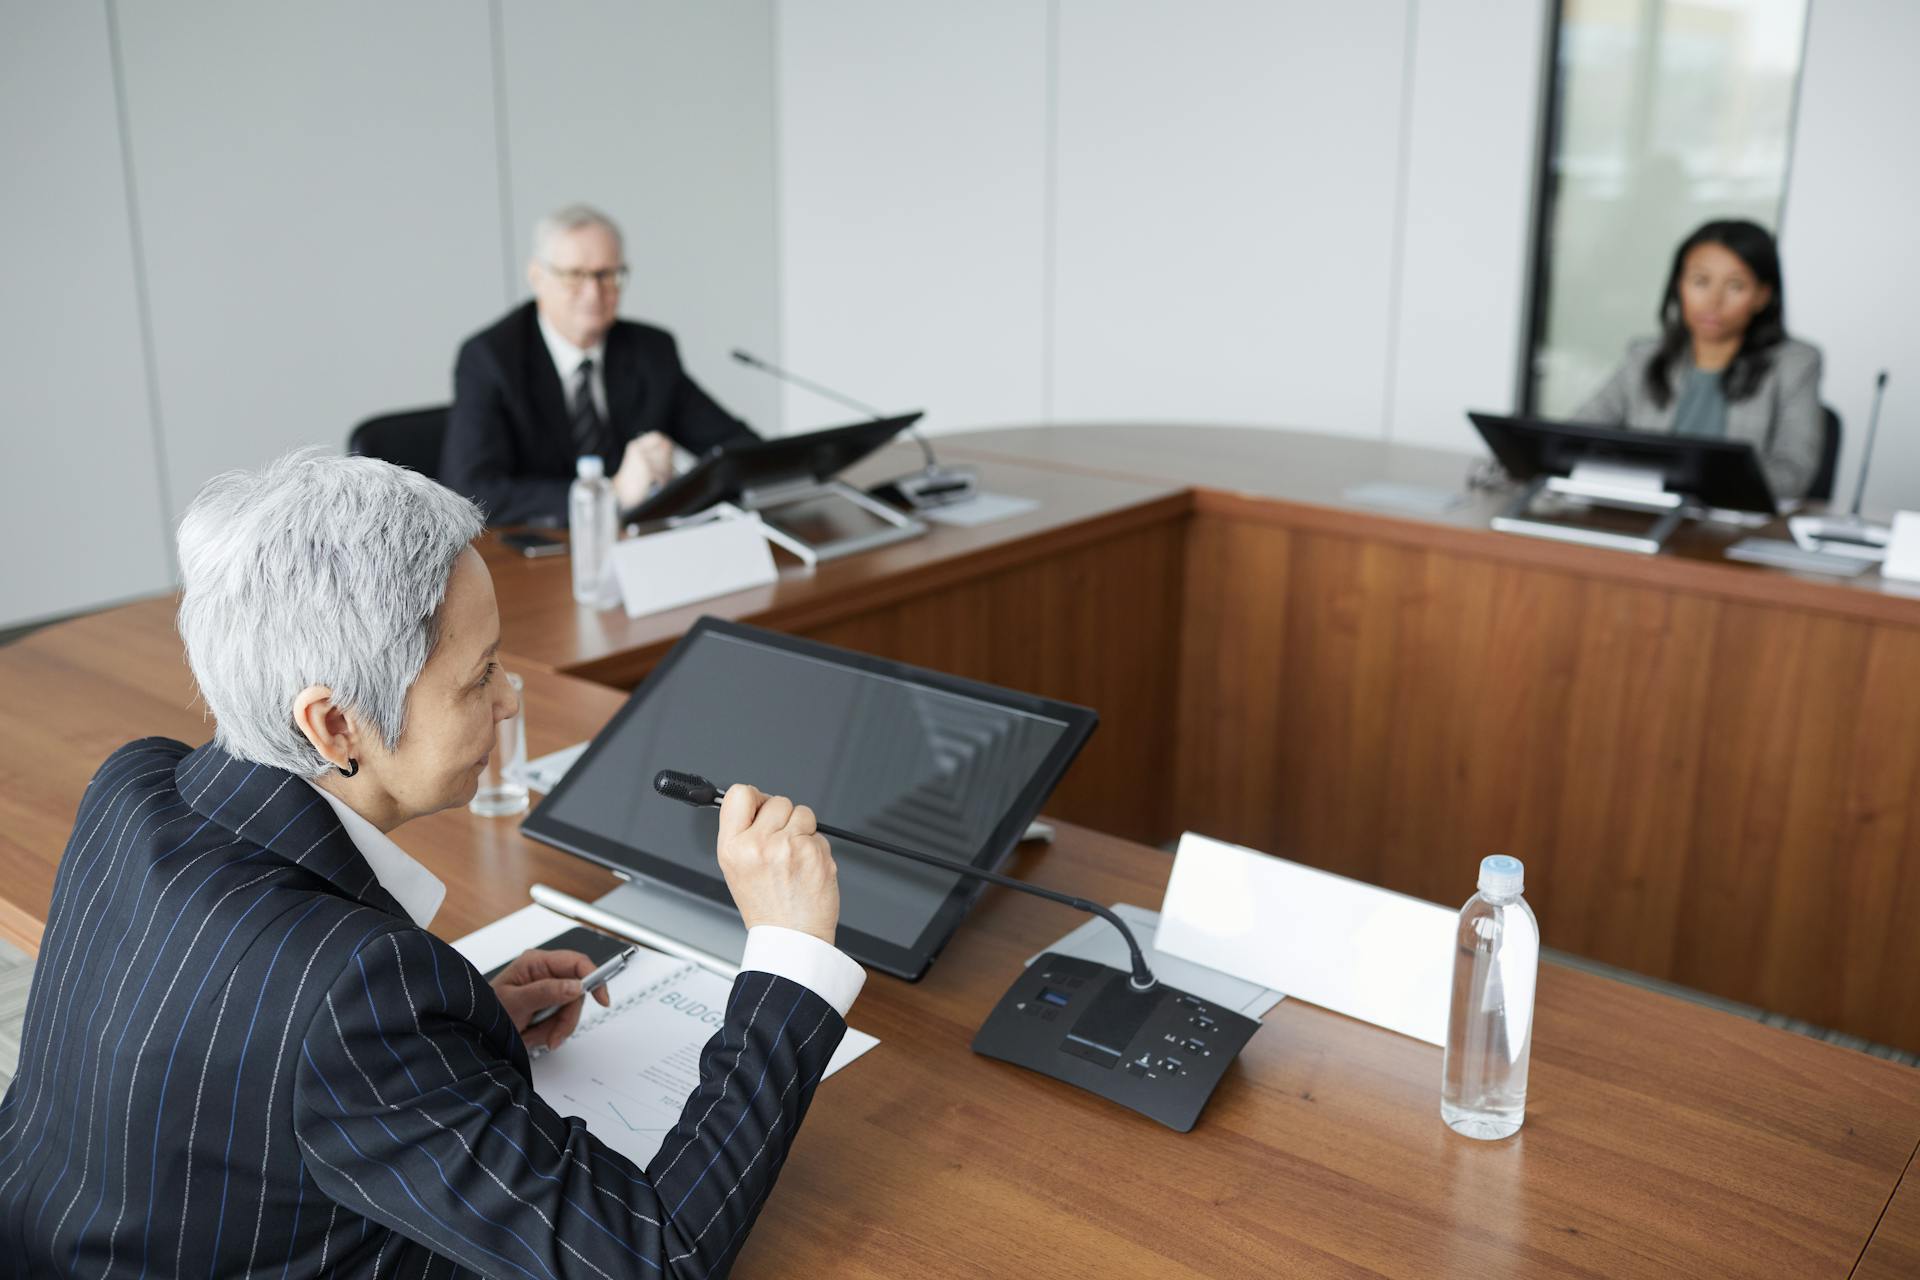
column 1752, row 244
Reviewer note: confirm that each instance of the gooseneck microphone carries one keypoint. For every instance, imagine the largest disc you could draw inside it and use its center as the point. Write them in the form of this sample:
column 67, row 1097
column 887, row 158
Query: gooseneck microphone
column 1849, row 535
column 1873, row 429
column 807, row 384
column 692, row 789
column 935, row 485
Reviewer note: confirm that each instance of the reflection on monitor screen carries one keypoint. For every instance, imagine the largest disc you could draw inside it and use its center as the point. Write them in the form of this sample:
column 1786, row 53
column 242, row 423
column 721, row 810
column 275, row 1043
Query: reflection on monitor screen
column 921, row 767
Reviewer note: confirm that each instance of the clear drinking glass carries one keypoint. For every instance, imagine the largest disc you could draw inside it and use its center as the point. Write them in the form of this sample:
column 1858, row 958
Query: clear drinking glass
column 502, row 788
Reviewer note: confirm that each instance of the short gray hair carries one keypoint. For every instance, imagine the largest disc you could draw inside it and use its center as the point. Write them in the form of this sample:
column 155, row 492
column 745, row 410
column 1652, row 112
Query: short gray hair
column 571, row 218
column 315, row 569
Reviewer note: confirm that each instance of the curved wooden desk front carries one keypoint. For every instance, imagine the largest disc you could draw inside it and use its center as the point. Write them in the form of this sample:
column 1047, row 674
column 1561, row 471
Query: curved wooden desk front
column 1322, row 1153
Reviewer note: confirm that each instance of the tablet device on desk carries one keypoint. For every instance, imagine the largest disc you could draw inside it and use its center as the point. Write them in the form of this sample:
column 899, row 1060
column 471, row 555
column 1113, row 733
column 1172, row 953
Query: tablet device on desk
column 729, row 472
column 907, row 755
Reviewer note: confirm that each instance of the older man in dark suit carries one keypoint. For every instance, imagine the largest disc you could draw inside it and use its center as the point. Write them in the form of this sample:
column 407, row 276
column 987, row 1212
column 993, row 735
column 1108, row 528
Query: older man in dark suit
column 562, row 376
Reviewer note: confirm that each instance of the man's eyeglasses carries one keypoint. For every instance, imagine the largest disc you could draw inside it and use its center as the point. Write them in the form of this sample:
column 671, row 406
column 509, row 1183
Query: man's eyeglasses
column 576, row 279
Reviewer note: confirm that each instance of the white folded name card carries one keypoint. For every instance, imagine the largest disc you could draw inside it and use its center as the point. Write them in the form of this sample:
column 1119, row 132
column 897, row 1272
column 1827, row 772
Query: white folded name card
column 1354, row 948
column 1903, row 549
column 695, row 562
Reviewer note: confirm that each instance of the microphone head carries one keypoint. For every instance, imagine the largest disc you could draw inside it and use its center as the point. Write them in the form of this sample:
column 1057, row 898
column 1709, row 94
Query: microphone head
column 687, row 788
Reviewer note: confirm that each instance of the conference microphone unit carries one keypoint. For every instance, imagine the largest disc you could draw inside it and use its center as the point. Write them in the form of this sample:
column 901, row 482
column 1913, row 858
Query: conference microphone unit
column 1850, row 535
column 1125, row 1036
column 931, row 486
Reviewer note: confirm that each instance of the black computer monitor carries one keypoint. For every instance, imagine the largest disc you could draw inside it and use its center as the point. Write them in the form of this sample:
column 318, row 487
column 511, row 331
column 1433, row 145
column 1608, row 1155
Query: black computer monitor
column 915, row 757
column 1718, row 472
column 728, row 471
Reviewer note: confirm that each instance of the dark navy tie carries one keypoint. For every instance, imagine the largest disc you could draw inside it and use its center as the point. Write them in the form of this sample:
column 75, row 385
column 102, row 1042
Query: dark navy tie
column 589, row 432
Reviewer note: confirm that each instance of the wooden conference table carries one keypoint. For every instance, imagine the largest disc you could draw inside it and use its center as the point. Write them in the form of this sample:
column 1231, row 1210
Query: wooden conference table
column 1711, row 769
column 1662, row 1139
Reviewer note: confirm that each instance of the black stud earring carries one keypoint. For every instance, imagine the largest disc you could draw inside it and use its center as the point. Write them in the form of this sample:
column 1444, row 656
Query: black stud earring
column 353, row 767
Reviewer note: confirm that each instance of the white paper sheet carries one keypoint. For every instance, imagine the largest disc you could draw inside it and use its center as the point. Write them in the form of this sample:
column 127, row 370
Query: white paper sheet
column 1404, row 497
column 629, row 1067
column 543, row 773
column 981, row 508
column 1355, row 948
column 492, row 945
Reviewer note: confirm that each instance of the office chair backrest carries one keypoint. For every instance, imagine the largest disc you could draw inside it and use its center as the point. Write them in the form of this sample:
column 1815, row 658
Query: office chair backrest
column 1821, row 490
column 411, row 438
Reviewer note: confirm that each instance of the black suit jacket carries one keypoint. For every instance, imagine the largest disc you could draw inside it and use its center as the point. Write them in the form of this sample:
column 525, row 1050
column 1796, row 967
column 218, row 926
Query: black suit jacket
column 509, row 442
column 240, row 1057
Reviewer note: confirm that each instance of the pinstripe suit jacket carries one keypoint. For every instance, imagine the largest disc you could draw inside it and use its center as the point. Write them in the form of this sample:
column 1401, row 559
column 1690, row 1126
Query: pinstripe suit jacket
column 241, row 1058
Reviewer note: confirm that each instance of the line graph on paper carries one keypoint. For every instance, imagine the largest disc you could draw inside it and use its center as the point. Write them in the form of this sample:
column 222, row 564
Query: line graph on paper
column 630, row 1069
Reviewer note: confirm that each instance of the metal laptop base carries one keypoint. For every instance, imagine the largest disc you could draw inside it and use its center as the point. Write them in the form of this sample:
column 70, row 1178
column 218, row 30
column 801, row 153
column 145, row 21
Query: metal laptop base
column 1515, row 517
column 770, row 504
column 663, row 912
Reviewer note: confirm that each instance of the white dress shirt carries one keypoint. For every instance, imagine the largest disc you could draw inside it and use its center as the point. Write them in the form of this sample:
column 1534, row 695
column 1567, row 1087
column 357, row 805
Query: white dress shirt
column 566, row 362
column 417, row 890
column 821, row 968
column 825, row 970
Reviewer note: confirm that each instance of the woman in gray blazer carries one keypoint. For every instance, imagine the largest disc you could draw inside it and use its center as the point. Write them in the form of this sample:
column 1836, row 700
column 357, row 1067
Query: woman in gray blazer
column 1724, row 365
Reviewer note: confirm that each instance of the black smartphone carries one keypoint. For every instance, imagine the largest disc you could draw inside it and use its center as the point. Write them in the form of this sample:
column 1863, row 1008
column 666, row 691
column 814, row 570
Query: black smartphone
column 535, row 544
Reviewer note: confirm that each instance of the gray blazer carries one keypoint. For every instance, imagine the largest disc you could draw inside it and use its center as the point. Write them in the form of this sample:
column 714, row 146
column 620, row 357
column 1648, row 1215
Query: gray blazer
column 1781, row 419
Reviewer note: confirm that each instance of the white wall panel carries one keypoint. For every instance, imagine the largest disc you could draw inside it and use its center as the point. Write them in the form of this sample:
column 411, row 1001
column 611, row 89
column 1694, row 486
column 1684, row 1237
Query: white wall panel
column 80, row 512
column 662, row 114
column 1846, row 238
column 913, row 150
column 320, row 208
column 1227, row 176
column 1469, row 192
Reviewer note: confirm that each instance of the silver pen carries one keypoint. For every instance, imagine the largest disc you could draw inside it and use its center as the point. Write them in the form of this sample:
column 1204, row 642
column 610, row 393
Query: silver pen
column 589, row 984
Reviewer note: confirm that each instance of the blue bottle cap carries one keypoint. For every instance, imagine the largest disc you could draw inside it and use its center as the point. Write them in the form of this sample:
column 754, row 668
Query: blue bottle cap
column 1501, row 876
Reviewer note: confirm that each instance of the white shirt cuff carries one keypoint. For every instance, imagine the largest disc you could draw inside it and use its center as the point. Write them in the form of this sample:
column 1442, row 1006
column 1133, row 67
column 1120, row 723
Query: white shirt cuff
column 825, row 970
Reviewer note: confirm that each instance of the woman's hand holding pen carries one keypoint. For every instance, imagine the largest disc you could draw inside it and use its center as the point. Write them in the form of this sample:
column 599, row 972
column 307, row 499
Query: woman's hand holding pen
column 537, row 980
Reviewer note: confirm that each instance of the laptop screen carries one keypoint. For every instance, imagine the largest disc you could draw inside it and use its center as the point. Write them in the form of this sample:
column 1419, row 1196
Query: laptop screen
column 925, row 761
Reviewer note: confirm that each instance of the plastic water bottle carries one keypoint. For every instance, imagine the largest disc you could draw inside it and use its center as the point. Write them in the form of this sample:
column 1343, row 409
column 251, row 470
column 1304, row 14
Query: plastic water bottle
column 1496, row 961
column 592, row 522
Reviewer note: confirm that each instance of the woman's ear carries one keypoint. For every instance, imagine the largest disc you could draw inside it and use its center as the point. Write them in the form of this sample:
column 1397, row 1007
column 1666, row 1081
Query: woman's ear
column 325, row 726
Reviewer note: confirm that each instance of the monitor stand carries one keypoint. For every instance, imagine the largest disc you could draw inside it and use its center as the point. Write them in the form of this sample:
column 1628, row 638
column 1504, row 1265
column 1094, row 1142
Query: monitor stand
column 689, row 920
column 824, row 520
column 676, row 922
column 1605, row 485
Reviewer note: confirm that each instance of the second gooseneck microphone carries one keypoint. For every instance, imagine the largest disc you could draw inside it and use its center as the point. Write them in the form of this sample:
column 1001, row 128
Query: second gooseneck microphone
column 691, row 788
column 774, row 371
column 1866, row 455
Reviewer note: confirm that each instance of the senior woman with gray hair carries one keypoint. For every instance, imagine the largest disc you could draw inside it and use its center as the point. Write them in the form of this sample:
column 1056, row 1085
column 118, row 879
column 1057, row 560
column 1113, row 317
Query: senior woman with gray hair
column 243, row 1050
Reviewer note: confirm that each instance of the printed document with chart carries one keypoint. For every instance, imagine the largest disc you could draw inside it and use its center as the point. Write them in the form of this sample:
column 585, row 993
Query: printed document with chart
column 628, row 1068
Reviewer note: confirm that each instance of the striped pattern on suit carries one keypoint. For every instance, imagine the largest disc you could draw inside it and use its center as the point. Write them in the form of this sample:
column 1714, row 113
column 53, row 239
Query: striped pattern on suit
column 241, row 1058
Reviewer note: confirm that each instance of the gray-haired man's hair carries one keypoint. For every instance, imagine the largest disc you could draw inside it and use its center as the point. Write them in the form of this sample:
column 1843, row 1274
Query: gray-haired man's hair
column 571, row 218
column 314, row 570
